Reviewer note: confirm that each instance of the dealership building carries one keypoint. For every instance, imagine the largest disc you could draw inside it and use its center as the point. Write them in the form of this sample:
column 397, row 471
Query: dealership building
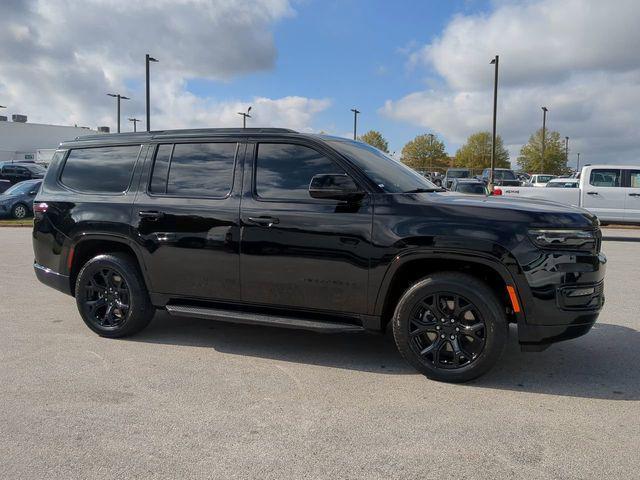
column 35, row 142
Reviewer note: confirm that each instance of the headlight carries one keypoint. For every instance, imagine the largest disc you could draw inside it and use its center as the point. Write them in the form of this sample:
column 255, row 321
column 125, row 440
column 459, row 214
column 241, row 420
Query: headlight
column 564, row 239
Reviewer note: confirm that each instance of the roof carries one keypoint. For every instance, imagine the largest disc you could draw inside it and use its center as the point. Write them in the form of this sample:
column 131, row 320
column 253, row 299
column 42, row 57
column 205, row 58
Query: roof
column 183, row 132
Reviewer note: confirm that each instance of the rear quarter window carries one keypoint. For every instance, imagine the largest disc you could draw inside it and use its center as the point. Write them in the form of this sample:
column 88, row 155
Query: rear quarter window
column 100, row 169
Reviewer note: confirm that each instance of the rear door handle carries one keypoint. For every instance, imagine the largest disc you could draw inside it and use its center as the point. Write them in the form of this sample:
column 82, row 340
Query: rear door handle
column 267, row 221
column 592, row 193
column 634, row 194
column 151, row 214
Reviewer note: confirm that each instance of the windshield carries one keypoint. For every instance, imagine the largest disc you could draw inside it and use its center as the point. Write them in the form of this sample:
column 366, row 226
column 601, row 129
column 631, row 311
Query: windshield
column 504, row 175
column 391, row 176
column 473, row 188
column 544, row 178
column 38, row 169
column 458, row 173
column 22, row 187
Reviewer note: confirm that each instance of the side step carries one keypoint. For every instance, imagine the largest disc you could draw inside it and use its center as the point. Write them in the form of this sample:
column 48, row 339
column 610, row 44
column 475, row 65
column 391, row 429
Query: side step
column 234, row 316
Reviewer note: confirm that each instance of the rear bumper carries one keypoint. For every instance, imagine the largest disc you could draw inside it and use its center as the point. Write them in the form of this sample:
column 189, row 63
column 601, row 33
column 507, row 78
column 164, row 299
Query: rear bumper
column 52, row 279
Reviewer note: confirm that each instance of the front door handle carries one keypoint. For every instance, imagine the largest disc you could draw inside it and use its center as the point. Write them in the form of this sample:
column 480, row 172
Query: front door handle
column 592, row 193
column 151, row 214
column 634, row 194
column 266, row 221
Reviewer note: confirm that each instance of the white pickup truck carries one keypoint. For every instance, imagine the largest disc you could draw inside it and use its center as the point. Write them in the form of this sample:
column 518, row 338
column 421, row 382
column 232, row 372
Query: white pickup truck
column 612, row 192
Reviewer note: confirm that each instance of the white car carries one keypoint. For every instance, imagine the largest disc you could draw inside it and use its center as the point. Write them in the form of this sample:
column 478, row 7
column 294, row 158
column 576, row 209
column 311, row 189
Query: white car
column 539, row 180
column 612, row 192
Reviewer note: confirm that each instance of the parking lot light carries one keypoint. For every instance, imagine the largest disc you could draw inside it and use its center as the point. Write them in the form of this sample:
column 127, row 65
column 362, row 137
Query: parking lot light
column 118, row 97
column 544, row 128
column 355, row 122
column 147, row 60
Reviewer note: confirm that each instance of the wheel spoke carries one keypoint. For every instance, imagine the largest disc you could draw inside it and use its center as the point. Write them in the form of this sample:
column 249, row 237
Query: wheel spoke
column 472, row 330
column 422, row 329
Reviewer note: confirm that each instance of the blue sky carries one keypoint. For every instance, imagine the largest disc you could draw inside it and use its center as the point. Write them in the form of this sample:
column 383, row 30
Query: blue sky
column 411, row 67
column 353, row 52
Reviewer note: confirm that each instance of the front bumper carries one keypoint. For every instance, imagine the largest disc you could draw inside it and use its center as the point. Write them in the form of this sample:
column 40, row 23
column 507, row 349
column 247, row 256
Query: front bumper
column 563, row 300
column 52, row 279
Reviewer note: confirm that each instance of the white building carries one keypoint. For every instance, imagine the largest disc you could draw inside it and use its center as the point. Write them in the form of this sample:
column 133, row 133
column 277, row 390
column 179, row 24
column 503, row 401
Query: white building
column 20, row 141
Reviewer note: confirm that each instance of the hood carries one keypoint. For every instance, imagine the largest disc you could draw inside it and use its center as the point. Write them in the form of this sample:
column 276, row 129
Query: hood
column 532, row 212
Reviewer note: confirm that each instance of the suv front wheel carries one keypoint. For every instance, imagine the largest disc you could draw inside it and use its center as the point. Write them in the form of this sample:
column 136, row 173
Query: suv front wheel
column 450, row 326
column 112, row 297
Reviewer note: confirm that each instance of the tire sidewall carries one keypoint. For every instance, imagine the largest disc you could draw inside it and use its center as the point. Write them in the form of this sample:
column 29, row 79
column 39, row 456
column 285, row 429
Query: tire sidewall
column 482, row 298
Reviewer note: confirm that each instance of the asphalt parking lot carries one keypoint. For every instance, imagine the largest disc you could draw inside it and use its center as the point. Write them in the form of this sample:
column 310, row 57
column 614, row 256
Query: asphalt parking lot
column 196, row 399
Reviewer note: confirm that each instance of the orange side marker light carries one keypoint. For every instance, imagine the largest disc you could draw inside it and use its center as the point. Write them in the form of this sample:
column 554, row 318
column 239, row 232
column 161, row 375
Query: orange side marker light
column 514, row 299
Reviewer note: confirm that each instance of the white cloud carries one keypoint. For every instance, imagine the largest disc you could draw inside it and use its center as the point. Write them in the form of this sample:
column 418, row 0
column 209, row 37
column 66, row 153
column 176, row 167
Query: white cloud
column 59, row 59
column 579, row 58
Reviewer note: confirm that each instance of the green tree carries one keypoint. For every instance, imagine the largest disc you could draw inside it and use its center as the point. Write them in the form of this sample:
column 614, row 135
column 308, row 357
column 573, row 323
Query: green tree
column 425, row 153
column 375, row 139
column 475, row 154
column 530, row 159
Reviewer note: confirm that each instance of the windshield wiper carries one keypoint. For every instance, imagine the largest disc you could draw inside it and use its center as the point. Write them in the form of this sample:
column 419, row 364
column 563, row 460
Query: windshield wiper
column 425, row 190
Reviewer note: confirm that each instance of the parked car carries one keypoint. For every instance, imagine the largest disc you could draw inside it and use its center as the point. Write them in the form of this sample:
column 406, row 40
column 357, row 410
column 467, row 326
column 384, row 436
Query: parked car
column 455, row 173
column 18, row 172
column 612, row 192
column 502, row 176
column 275, row 227
column 17, row 200
column 563, row 183
column 539, row 180
column 469, row 186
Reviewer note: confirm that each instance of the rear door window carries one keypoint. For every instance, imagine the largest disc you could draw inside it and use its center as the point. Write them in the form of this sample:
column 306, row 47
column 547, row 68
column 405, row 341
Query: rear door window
column 194, row 169
column 605, row 177
column 100, row 169
column 634, row 178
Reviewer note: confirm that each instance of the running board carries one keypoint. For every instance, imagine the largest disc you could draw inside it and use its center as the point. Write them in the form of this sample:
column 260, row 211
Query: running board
column 234, row 316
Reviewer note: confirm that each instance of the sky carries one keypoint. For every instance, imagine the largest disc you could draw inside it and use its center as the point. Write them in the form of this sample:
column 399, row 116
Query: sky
column 410, row 67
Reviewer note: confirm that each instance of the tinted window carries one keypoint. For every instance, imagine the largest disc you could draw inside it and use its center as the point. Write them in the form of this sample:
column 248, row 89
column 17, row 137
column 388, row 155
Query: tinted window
column 201, row 169
column 285, row 170
column 160, row 169
column 100, row 170
column 472, row 188
column 634, row 178
column 604, row 177
column 504, row 175
column 389, row 175
column 22, row 187
column 458, row 173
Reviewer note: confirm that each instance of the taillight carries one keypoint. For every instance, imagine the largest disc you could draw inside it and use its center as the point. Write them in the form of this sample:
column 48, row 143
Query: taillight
column 497, row 191
column 40, row 207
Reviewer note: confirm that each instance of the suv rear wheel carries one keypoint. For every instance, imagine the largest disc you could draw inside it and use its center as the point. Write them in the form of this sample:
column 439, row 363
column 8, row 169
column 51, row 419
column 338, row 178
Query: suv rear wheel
column 450, row 326
column 111, row 296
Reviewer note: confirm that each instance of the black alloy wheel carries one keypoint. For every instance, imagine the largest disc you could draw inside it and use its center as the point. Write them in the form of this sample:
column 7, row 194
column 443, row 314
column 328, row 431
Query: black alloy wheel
column 447, row 330
column 106, row 298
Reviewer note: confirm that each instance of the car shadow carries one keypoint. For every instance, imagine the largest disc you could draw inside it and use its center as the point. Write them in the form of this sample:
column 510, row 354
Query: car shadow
column 600, row 365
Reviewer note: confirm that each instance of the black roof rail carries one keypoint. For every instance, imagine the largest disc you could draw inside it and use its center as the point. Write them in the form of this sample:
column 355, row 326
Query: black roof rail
column 188, row 131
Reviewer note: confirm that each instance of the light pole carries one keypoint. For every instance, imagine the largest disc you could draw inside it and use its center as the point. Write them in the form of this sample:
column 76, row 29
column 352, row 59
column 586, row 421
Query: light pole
column 566, row 150
column 544, row 128
column 495, row 109
column 355, row 122
column 431, row 135
column 148, row 59
column 578, row 163
column 118, row 97
column 135, row 122
column 244, row 117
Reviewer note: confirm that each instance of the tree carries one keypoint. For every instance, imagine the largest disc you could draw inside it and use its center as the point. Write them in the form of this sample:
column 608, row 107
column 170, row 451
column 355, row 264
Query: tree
column 425, row 153
column 375, row 139
column 476, row 153
column 530, row 159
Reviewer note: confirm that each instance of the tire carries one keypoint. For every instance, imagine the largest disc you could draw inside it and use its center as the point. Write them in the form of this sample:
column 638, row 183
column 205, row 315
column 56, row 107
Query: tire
column 467, row 343
column 20, row 211
column 112, row 297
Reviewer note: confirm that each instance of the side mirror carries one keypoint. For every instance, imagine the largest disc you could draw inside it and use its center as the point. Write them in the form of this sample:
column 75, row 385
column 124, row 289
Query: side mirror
column 334, row 186
column 33, row 192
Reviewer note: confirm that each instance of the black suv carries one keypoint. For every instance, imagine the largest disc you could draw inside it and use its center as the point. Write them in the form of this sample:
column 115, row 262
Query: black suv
column 19, row 172
column 274, row 227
